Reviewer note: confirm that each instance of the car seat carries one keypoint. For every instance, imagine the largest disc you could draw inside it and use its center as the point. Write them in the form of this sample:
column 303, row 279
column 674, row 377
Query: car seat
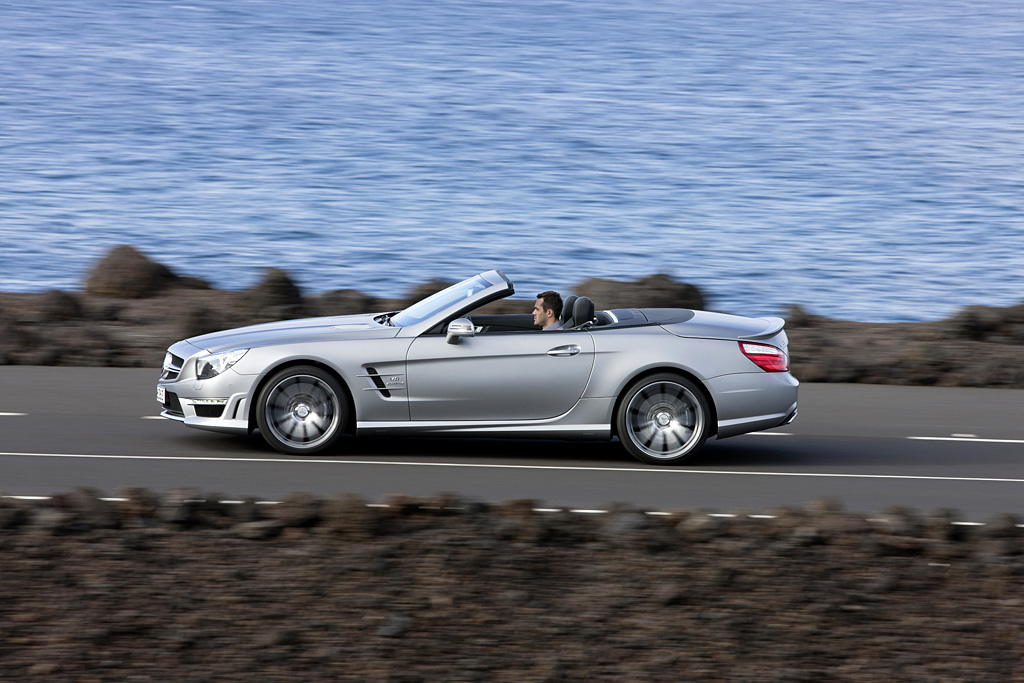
column 566, row 316
column 582, row 313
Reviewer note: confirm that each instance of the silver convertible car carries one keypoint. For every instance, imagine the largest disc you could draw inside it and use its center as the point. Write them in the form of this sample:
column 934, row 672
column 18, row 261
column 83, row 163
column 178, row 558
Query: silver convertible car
column 662, row 380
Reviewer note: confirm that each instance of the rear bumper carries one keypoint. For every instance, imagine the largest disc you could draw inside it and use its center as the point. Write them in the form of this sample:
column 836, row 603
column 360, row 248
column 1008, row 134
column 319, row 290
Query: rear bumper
column 751, row 402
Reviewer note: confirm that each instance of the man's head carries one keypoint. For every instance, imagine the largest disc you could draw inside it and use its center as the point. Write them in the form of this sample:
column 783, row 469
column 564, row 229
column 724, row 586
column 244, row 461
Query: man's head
column 547, row 309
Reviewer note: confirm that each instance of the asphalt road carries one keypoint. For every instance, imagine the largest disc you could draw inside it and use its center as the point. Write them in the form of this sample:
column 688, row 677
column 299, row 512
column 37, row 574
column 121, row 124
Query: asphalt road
column 869, row 446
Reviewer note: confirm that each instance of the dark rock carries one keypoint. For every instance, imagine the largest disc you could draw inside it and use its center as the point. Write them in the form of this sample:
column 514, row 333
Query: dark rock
column 277, row 638
column 140, row 504
column 50, row 520
column 653, row 291
column 797, row 317
column 249, row 510
column 276, row 296
column 516, row 520
column 13, row 514
column 622, row 527
column 195, row 320
column 298, row 510
column 885, row 545
column 940, row 525
column 701, row 528
column 348, row 516
column 44, row 669
column 344, row 302
column 127, row 273
column 903, row 521
column 672, row 594
column 59, row 306
column 1002, row 526
column 180, row 507
column 395, row 625
column 88, row 506
column 259, row 531
column 976, row 322
column 806, row 536
column 190, row 282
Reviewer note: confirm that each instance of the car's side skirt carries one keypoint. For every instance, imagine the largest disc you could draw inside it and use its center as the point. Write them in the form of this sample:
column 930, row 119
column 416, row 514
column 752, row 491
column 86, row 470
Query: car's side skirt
column 570, row 431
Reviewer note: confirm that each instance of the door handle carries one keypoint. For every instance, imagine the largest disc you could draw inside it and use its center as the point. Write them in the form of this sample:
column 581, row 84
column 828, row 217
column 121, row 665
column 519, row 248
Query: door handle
column 564, row 351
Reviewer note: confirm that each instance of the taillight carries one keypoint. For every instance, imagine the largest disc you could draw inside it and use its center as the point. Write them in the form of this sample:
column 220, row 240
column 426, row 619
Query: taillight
column 768, row 358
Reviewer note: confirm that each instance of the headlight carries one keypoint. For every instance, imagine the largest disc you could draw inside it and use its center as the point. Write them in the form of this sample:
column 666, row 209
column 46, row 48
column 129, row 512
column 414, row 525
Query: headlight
column 216, row 363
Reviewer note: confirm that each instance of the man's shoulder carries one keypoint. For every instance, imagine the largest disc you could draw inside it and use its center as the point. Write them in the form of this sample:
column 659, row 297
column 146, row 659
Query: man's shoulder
column 555, row 326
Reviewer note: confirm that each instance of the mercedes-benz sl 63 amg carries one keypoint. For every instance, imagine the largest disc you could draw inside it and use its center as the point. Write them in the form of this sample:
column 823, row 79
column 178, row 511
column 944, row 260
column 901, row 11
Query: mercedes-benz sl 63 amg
column 662, row 380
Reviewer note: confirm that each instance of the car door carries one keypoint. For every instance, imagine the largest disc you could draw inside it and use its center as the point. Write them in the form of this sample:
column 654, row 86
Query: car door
column 502, row 376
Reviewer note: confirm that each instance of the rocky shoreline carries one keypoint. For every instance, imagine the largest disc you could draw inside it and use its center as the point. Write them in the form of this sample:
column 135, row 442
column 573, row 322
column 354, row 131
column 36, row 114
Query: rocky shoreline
column 179, row 586
column 132, row 309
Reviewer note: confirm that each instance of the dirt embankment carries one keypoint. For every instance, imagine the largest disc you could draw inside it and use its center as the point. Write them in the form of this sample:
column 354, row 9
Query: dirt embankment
column 178, row 587
column 132, row 309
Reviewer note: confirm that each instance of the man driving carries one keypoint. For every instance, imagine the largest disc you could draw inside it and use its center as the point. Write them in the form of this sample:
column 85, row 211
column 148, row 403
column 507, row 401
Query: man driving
column 547, row 311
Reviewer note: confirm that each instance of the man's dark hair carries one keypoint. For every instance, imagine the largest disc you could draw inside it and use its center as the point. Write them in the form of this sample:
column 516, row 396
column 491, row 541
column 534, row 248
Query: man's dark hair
column 551, row 301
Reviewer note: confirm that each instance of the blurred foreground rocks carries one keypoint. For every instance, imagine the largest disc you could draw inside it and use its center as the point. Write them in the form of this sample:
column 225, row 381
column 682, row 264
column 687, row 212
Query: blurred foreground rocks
column 183, row 586
column 133, row 308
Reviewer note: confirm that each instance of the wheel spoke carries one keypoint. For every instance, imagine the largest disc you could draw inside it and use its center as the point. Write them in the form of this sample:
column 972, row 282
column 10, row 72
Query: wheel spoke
column 288, row 425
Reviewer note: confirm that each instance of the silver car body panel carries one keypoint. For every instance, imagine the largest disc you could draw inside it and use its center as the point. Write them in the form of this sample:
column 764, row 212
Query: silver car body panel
column 509, row 382
column 458, row 382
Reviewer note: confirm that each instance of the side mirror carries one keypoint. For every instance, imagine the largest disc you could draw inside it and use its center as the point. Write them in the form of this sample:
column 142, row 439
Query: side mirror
column 460, row 327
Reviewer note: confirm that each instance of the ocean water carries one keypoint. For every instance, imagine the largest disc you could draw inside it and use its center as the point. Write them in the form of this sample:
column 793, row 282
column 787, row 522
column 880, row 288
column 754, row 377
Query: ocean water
column 861, row 158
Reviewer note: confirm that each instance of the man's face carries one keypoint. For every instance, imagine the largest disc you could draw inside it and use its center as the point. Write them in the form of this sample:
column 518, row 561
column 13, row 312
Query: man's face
column 542, row 317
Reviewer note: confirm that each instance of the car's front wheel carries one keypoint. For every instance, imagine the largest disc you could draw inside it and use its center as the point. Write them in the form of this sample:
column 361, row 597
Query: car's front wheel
column 302, row 409
column 663, row 419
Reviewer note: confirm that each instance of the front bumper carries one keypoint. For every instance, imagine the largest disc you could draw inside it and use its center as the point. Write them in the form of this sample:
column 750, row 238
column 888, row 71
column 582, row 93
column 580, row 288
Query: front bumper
column 230, row 415
column 220, row 404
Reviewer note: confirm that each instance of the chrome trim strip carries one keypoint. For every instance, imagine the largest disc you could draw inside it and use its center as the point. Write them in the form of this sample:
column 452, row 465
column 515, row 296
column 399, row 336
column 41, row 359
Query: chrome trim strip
column 751, row 419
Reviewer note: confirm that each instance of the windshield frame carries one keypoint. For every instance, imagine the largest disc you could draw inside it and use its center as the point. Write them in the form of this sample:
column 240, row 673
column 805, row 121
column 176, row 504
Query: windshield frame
column 466, row 295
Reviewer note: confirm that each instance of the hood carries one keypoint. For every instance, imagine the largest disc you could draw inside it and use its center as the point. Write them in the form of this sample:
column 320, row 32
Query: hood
column 708, row 325
column 334, row 328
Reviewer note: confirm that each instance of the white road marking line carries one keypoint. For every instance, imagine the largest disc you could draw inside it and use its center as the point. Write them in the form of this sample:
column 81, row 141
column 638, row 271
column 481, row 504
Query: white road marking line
column 963, row 438
column 13, row 414
column 562, row 468
column 153, row 417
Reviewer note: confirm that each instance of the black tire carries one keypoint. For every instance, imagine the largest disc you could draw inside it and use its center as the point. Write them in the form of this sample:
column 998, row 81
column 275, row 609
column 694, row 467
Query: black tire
column 302, row 410
column 663, row 419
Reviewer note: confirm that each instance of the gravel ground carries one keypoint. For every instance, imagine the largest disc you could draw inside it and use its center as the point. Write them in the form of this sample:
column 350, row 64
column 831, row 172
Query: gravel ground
column 167, row 588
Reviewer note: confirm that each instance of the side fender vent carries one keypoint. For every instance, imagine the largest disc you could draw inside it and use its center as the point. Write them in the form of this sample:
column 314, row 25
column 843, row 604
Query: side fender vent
column 378, row 382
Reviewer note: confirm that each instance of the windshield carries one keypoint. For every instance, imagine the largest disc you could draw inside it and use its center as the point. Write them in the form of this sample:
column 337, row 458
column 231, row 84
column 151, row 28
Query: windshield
column 436, row 303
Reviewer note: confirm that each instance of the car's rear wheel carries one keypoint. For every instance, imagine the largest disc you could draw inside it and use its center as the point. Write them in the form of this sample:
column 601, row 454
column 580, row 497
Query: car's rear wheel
column 663, row 419
column 302, row 409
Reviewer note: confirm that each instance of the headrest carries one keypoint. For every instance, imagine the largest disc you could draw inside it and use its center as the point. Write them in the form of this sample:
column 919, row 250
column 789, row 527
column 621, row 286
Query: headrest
column 582, row 311
column 567, row 310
